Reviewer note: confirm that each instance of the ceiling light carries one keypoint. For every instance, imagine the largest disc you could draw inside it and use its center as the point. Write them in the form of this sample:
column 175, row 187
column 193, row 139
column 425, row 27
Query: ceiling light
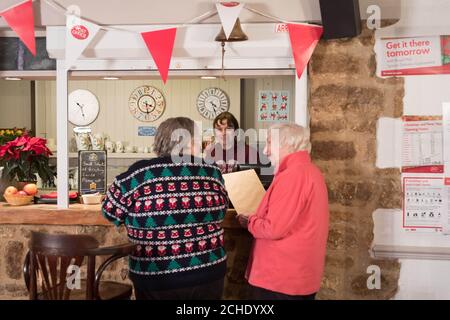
column 110, row 78
column 12, row 78
column 208, row 77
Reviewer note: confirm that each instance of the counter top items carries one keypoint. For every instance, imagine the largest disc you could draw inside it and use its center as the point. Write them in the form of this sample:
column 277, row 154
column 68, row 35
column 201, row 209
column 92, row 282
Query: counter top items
column 23, row 197
column 95, row 198
column 52, row 198
column 18, row 199
column 54, row 195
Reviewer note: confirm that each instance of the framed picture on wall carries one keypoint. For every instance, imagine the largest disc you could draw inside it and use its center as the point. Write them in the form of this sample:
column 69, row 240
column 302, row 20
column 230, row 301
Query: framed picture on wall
column 273, row 105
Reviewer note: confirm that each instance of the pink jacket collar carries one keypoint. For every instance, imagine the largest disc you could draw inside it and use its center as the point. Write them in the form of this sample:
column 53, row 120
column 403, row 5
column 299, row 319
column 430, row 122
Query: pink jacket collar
column 299, row 157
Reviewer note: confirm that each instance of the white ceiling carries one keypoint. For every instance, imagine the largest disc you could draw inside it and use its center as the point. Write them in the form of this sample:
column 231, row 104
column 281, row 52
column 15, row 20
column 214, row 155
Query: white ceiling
column 142, row 12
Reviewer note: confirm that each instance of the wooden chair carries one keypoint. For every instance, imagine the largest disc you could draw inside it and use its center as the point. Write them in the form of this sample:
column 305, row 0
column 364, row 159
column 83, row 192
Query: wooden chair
column 50, row 256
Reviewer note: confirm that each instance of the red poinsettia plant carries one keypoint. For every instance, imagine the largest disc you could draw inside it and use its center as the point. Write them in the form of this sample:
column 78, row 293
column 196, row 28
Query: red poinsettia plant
column 25, row 157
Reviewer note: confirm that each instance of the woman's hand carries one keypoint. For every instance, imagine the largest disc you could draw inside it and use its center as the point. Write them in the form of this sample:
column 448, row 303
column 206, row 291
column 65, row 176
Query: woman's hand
column 243, row 220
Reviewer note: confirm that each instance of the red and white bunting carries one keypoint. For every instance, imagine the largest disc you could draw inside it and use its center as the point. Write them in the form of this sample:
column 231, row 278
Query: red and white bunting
column 20, row 19
column 160, row 44
column 228, row 13
column 79, row 33
column 304, row 39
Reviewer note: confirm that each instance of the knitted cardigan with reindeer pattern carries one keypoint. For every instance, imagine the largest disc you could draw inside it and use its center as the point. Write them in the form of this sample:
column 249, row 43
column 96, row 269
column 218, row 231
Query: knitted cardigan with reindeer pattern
column 172, row 212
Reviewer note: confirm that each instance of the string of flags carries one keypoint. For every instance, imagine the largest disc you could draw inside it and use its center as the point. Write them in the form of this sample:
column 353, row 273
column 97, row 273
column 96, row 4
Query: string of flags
column 80, row 32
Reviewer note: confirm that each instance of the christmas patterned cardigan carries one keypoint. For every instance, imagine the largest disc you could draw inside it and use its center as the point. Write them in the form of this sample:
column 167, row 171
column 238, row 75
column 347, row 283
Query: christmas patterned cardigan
column 172, row 211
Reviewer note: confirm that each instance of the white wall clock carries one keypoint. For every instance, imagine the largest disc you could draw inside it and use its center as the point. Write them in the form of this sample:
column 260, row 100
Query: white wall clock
column 147, row 103
column 211, row 102
column 83, row 107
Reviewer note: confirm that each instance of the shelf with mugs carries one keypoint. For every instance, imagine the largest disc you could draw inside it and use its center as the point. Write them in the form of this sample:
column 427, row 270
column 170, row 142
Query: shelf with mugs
column 116, row 155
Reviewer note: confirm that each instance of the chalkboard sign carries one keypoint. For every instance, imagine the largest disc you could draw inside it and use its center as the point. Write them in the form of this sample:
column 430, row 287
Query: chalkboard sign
column 91, row 171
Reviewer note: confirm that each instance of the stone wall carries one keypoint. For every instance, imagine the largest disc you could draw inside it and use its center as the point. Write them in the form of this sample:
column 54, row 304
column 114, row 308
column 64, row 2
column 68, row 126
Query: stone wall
column 346, row 100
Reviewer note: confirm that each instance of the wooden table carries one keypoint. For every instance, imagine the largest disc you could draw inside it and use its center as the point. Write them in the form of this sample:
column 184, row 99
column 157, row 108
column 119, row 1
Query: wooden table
column 77, row 214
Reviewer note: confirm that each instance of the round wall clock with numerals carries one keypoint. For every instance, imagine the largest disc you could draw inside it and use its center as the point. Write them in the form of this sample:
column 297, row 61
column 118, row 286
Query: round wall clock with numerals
column 211, row 102
column 147, row 103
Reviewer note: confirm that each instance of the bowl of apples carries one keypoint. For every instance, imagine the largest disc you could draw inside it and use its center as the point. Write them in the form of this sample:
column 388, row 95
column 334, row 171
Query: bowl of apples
column 23, row 197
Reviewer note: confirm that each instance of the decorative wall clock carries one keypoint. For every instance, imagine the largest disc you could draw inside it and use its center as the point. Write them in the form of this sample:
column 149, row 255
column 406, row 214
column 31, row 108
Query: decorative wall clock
column 147, row 103
column 211, row 102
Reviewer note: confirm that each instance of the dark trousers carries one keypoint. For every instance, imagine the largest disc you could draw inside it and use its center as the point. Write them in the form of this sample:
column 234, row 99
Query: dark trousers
column 257, row 293
column 208, row 291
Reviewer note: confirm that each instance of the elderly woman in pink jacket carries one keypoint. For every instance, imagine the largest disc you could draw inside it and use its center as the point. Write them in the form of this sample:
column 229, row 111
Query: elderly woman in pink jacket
column 290, row 226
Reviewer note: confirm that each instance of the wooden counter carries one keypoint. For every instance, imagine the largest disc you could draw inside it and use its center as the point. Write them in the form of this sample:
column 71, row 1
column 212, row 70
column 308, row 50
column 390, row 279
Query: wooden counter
column 77, row 214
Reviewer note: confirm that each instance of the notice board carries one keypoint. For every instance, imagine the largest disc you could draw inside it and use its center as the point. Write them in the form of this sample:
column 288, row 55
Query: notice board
column 92, row 170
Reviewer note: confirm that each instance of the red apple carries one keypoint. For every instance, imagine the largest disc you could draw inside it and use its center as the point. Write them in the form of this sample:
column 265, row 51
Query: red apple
column 10, row 190
column 22, row 193
column 31, row 189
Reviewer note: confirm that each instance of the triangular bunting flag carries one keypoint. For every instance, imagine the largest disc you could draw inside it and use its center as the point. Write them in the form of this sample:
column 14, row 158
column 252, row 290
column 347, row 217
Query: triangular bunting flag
column 21, row 19
column 79, row 33
column 304, row 39
column 228, row 13
column 160, row 44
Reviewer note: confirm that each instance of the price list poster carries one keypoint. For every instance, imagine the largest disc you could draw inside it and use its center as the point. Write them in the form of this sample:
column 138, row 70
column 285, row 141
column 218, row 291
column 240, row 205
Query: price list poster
column 422, row 173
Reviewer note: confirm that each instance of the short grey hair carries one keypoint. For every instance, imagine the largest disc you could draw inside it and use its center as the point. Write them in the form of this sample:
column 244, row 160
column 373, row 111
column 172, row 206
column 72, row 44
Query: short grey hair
column 171, row 133
column 292, row 135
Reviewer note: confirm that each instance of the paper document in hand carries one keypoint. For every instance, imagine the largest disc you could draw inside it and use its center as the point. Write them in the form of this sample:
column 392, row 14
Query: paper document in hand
column 245, row 190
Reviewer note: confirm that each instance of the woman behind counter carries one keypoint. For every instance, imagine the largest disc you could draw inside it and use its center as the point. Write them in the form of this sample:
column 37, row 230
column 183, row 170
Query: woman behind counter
column 172, row 210
column 228, row 151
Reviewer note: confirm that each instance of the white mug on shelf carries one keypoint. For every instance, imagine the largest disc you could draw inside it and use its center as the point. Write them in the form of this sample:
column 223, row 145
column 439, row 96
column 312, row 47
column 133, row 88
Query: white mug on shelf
column 130, row 149
column 120, row 147
column 109, row 146
column 83, row 140
column 140, row 150
column 98, row 141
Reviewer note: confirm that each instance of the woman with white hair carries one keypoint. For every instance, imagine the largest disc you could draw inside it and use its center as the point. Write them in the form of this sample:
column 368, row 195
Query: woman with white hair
column 290, row 226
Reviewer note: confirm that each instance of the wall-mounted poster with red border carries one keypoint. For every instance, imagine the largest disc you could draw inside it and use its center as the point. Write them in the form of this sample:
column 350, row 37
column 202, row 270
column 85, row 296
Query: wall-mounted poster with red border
column 423, row 202
column 422, row 144
column 413, row 56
